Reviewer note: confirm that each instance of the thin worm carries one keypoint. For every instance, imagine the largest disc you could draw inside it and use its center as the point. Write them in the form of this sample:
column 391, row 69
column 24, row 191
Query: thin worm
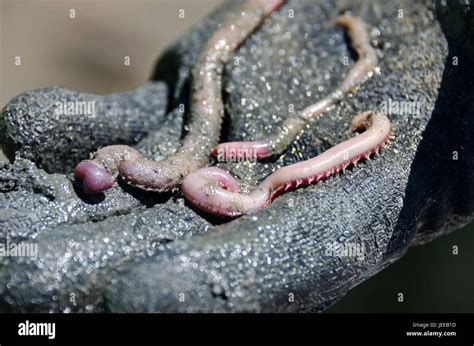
column 280, row 140
column 207, row 110
column 214, row 191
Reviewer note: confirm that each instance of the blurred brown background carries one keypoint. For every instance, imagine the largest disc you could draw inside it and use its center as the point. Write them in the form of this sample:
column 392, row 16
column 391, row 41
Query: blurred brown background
column 86, row 53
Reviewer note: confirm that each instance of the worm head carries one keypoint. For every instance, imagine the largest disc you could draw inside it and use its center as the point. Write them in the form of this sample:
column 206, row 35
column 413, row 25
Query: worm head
column 94, row 176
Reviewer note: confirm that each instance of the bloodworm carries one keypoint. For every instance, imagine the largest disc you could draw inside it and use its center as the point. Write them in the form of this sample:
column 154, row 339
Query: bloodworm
column 215, row 192
column 281, row 139
column 99, row 173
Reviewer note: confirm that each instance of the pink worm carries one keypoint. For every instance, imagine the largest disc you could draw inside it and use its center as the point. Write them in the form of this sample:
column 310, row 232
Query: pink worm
column 279, row 141
column 207, row 110
column 214, row 191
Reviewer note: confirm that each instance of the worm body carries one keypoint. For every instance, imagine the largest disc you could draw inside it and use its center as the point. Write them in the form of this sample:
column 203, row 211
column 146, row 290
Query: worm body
column 214, row 191
column 107, row 163
column 278, row 142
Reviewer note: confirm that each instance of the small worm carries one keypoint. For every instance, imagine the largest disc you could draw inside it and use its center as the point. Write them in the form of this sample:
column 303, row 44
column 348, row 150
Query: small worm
column 277, row 143
column 207, row 110
column 215, row 191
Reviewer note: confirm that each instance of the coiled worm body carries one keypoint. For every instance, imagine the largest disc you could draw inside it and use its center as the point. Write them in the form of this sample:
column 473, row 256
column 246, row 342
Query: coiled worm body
column 214, row 190
column 277, row 142
column 207, row 110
